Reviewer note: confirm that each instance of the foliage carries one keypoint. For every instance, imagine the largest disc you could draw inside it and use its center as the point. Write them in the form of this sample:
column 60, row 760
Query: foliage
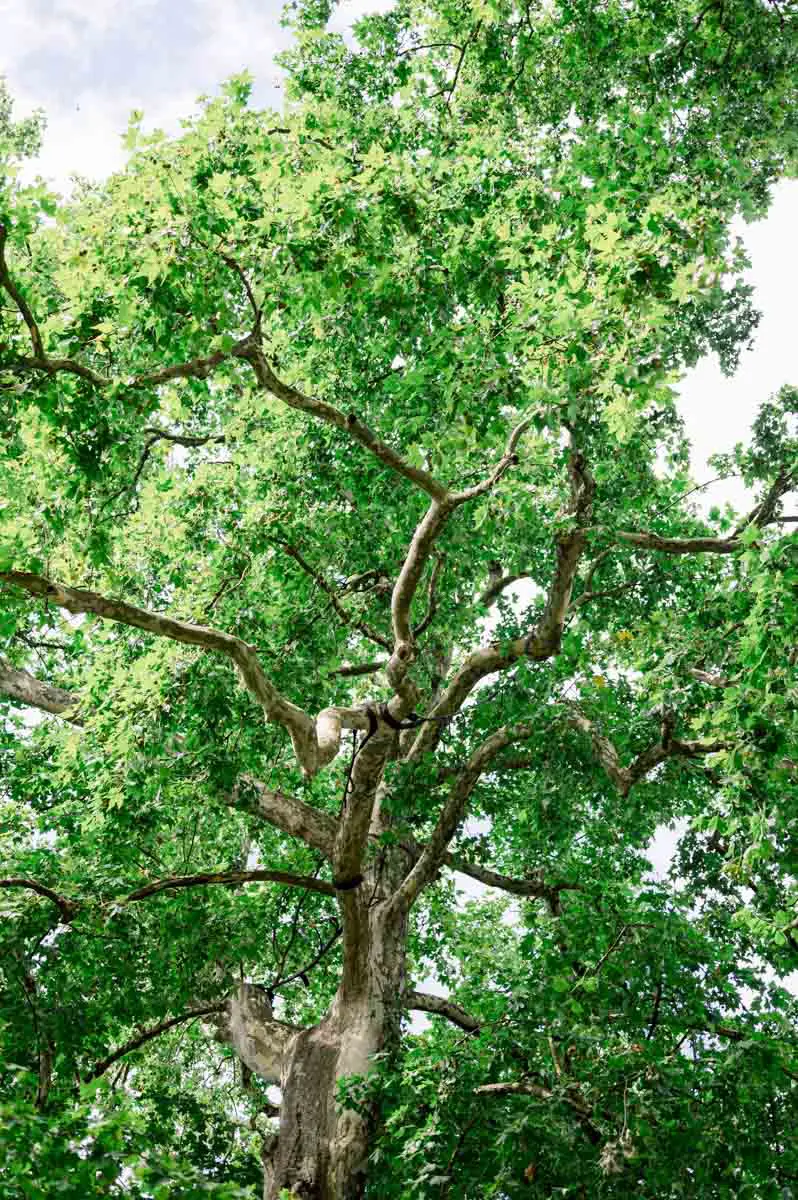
column 474, row 216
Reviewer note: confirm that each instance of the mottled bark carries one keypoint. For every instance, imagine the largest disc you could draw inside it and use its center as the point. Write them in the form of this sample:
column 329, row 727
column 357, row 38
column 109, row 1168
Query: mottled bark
column 321, row 1151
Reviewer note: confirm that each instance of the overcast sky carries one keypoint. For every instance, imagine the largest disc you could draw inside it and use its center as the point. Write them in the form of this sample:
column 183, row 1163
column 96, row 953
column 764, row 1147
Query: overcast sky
column 88, row 63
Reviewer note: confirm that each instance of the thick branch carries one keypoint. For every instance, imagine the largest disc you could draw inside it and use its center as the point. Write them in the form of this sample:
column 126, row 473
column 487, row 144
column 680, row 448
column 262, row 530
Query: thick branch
column 420, row 549
column 671, row 545
column 27, row 689
column 424, row 538
column 248, row 1025
column 424, row 1002
column 228, row 877
column 148, row 1035
column 370, row 668
column 287, row 813
column 67, row 908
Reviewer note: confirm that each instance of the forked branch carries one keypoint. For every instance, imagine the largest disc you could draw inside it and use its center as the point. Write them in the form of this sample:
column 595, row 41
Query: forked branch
column 666, row 747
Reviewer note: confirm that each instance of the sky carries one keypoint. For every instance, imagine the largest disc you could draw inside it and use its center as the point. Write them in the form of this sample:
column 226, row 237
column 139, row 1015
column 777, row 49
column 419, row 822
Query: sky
column 89, row 63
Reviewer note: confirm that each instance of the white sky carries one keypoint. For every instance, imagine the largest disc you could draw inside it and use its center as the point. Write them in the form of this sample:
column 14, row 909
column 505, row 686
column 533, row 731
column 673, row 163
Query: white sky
column 88, row 63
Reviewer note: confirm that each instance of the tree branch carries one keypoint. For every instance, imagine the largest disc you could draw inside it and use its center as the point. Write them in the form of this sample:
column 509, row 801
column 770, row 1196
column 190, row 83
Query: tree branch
column 67, row 908
column 25, row 688
column 508, row 459
column 453, row 812
column 421, row 545
column 624, row 778
column 534, row 887
column 670, row 545
column 323, row 950
column 349, row 423
column 495, row 589
column 370, row 668
column 287, row 813
column 227, row 877
column 345, row 616
column 762, row 514
column 16, row 295
column 315, row 743
column 425, row 1002
column 147, row 1035
column 526, row 1088
column 545, row 639
column 432, row 599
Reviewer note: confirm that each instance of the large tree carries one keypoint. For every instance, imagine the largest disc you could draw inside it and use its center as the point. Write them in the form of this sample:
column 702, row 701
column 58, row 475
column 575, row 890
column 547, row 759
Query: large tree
column 350, row 550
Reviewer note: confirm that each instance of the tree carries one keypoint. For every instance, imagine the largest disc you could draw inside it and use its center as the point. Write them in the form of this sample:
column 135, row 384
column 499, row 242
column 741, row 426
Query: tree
column 290, row 406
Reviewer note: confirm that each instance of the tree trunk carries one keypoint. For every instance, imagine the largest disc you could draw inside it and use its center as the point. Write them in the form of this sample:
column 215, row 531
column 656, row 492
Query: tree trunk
column 323, row 1147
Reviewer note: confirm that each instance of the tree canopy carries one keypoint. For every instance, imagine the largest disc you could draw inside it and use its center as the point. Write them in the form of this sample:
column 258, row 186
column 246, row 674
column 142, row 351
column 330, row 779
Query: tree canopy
column 350, row 554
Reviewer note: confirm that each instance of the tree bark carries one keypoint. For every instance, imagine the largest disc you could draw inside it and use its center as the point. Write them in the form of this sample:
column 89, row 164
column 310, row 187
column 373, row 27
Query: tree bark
column 321, row 1151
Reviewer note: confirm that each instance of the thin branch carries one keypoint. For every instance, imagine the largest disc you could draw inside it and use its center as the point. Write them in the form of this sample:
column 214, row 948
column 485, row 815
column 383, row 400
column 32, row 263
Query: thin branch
column 148, row 1035
column 348, row 423
column 154, row 436
column 508, row 459
column 227, row 877
column 453, row 811
column 524, row 1088
column 624, row 778
column 719, row 681
column 314, row 962
column 652, row 1025
column 430, row 46
column 534, row 887
column 425, row 1002
column 67, row 908
column 432, row 598
column 16, row 295
column 197, row 368
column 346, row 617
column 495, row 589
column 606, row 593
column 460, row 61
column 229, row 261
column 527, row 1088
column 545, row 639
column 763, row 513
